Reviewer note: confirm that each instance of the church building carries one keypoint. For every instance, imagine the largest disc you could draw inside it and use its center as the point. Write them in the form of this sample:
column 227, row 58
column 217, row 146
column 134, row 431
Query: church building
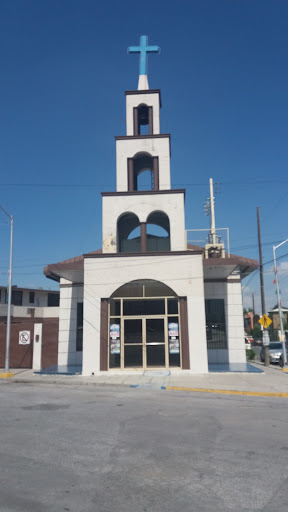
column 146, row 299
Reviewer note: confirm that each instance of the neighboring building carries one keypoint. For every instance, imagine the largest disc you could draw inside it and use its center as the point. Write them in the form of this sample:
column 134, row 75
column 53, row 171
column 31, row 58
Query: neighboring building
column 147, row 300
column 249, row 320
column 274, row 315
column 35, row 312
column 30, row 297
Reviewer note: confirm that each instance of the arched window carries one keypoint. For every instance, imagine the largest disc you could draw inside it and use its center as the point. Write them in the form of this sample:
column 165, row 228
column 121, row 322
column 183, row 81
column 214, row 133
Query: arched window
column 158, row 232
column 144, row 288
column 139, row 164
column 128, row 230
column 143, row 120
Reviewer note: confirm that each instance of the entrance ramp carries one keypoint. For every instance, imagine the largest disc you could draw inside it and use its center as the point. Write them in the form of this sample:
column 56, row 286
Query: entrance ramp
column 156, row 373
column 146, row 379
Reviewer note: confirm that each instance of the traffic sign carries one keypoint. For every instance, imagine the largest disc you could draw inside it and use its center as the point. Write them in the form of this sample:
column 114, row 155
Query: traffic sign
column 265, row 321
column 24, row 337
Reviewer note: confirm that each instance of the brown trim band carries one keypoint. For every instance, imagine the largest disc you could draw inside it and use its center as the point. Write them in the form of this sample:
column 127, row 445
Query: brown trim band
column 216, row 280
column 137, row 254
column 184, row 333
column 104, row 335
column 233, row 260
column 155, row 136
column 144, row 192
column 72, row 285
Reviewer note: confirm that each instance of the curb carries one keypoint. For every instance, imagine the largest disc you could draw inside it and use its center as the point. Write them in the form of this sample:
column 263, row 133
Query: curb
column 65, row 383
column 226, row 391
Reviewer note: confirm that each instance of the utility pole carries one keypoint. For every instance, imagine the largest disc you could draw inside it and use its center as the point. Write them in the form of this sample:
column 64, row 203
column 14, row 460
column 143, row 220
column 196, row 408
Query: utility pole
column 253, row 305
column 264, row 337
column 7, row 373
column 280, row 312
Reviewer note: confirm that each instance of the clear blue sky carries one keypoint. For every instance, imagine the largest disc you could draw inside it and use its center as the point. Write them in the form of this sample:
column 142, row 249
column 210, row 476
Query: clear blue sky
column 64, row 69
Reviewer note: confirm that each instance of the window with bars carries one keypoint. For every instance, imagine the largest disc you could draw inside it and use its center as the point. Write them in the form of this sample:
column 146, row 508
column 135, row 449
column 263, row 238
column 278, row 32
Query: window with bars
column 215, row 324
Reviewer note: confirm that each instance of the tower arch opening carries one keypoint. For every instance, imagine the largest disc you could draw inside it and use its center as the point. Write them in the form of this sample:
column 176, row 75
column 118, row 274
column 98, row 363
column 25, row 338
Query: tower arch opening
column 143, row 120
column 158, row 232
column 143, row 163
column 128, row 233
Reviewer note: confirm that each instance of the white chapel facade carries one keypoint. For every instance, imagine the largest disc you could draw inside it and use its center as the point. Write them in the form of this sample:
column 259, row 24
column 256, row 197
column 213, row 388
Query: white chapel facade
column 146, row 300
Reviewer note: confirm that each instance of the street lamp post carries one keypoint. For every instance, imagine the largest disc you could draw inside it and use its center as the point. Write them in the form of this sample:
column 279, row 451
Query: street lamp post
column 7, row 355
column 279, row 303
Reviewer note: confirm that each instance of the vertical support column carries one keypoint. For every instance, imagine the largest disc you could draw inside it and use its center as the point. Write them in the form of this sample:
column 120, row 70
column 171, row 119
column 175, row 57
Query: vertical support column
column 143, row 237
column 37, row 347
column 130, row 175
column 150, row 118
column 104, row 335
column 156, row 172
column 135, row 121
column 184, row 333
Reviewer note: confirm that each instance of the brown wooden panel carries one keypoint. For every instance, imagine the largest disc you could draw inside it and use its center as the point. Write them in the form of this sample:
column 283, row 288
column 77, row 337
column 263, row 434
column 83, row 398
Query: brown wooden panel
column 130, row 175
column 21, row 356
column 156, row 172
column 143, row 237
column 184, row 333
column 104, row 335
column 150, row 115
column 135, row 121
column 50, row 331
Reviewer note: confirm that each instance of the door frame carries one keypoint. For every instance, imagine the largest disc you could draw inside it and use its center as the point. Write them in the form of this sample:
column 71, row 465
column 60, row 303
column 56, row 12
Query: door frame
column 119, row 317
column 144, row 342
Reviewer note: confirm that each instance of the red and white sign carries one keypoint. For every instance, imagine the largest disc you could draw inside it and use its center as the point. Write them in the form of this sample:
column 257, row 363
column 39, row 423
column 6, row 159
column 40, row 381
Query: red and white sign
column 24, row 337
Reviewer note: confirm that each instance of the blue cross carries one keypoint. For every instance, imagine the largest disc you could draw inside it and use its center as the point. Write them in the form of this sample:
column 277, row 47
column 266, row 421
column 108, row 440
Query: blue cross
column 143, row 49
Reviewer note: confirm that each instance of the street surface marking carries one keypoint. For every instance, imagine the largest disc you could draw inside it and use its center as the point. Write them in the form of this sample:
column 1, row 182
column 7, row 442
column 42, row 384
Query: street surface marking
column 226, row 391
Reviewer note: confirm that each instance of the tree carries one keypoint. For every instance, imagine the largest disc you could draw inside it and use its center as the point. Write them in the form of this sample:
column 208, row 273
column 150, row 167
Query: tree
column 257, row 332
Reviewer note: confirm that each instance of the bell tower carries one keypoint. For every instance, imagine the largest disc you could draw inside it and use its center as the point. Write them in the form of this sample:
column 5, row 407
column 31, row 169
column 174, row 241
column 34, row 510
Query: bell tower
column 137, row 220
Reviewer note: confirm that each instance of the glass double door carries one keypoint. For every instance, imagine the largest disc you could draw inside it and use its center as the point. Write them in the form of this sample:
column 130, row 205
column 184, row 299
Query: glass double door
column 145, row 342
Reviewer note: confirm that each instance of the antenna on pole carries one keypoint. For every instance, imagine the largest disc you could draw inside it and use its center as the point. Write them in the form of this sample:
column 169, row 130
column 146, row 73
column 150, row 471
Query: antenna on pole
column 212, row 213
column 215, row 248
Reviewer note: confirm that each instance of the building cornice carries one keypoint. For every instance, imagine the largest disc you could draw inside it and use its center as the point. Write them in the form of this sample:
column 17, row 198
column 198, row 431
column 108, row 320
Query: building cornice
column 153, row 136
column 141, row 254
column 145, row 91
column 144, row 192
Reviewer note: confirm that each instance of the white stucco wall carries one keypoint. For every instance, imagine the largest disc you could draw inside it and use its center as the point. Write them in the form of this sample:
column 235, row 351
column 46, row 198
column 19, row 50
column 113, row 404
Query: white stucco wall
column 151, row 100
column 25, row 312
column 232, row 295
column 69, row 296
column 128, row 148
column 182, row 273
column 142, row 206
column 236, row 339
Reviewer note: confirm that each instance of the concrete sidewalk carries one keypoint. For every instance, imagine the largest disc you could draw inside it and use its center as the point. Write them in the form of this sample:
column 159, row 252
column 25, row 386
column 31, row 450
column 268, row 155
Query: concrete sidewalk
column 272, row 380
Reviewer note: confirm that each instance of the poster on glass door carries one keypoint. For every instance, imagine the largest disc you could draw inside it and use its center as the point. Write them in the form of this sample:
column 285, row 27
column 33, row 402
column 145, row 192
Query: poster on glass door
column 173, row 337
column 114, row 339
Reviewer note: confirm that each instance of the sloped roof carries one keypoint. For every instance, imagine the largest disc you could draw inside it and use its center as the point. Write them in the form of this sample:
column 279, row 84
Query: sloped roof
column 63, row 268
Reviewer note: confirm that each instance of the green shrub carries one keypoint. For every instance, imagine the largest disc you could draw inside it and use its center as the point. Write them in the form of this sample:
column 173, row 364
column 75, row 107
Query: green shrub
column 250, row 354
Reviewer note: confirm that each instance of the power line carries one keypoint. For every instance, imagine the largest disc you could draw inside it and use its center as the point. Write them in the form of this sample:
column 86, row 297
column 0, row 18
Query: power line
column 89, row 185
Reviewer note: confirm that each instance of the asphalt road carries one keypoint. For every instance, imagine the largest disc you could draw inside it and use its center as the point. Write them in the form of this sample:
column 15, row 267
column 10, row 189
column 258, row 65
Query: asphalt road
column 83, row 449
